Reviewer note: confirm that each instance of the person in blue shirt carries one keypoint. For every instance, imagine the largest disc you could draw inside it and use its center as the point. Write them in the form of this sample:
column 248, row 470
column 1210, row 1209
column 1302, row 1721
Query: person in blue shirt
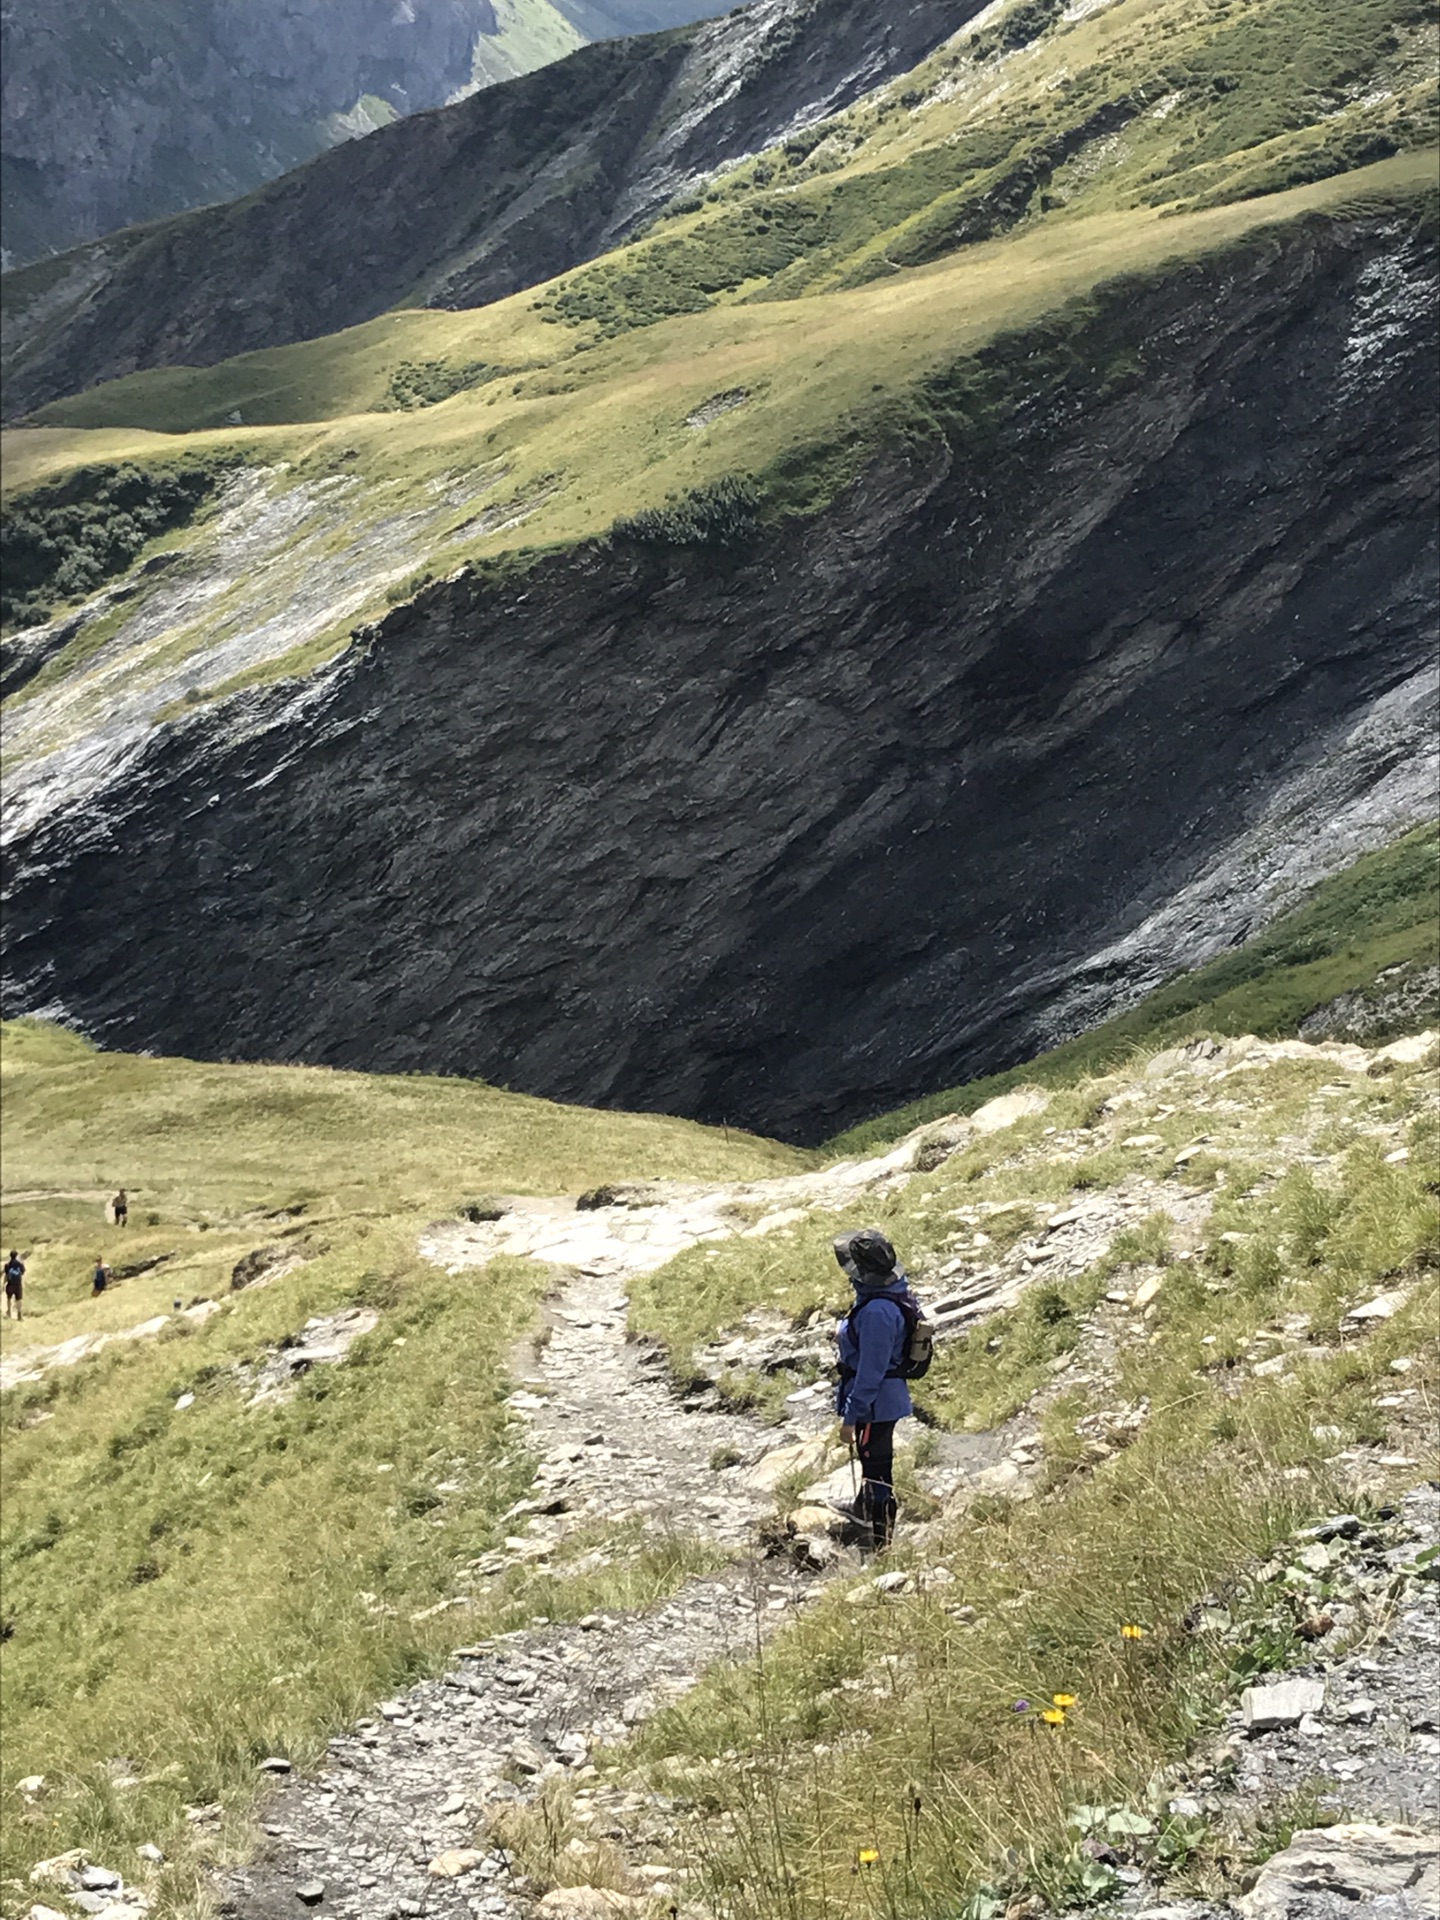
column 872, row 1395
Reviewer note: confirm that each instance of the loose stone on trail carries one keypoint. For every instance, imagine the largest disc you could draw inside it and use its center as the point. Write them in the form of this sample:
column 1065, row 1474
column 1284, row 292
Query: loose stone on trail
column 1283, row 1705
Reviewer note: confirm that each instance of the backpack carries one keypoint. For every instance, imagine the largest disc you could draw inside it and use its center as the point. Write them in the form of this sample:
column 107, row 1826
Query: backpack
column 919, row 1349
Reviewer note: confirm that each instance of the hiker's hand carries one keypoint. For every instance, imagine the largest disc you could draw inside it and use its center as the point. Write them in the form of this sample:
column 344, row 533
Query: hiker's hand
column 847, row 1434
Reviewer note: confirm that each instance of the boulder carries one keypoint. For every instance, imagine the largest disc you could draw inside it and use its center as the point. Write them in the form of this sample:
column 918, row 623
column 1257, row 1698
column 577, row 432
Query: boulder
column 814, row 1552
column 1007, row 1108
column 1383, row 1307
column 589, row 1903
column 815, row 1519
column 1409, row 1051
column 61, row 1870
column 1349, row 1864
column 256, row 1265
column 836, row 1490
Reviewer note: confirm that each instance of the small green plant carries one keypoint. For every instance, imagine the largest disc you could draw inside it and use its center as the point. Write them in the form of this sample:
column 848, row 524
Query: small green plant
column 425, row 383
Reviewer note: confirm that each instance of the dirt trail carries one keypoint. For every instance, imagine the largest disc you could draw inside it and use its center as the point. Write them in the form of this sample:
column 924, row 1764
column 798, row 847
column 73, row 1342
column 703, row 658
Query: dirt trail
column 400, row 1792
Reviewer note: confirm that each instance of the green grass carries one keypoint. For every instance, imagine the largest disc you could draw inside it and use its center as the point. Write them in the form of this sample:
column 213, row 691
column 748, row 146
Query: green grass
column 1382, row 912
column 892, row 1727
column 192, row 1588
column 227, row 1158
column 189, row 1589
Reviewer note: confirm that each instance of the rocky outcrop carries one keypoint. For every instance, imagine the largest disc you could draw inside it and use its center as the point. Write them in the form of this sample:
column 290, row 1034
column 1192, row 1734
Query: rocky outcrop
column 127, row 114
column 459, row 206
column 1082, row 688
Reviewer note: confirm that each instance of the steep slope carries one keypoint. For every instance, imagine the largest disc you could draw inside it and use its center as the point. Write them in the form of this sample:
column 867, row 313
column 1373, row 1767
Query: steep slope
column 1007, row 503
column 127, row 112
column 1128, row 644
column 458, row 206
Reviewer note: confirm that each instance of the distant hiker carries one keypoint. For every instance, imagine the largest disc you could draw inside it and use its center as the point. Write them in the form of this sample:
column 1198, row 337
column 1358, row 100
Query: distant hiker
column 15, row 1285
column 100, row 1279
column 120, row 1207
column 884, row 1340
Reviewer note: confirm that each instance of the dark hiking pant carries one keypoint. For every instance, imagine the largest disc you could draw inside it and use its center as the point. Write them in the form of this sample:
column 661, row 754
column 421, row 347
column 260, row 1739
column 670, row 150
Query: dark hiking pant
column 876, row 1506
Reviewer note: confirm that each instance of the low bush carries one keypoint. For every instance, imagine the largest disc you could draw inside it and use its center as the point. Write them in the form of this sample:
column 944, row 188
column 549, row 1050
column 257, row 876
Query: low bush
column 723, row 514
column 62, row 542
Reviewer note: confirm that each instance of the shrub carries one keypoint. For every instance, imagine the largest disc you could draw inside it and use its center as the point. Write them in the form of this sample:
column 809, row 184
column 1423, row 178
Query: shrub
column 723, row 514
column 65, row 541
column 425, row 383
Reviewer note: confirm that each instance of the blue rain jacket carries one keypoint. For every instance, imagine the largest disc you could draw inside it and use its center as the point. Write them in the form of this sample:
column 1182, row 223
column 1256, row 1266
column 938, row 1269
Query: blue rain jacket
column 872, row 1346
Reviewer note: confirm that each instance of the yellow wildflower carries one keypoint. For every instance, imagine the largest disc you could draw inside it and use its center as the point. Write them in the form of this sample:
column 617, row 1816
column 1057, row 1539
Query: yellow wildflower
column 1054, row 1716
column 1132, row 1633
column 1064, row 1700
column 868, row 1856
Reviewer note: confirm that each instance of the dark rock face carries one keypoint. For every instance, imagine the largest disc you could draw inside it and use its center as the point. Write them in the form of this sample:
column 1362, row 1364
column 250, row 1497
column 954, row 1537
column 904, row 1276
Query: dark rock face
column 125, row 113
column 791, row 836
column 459, row 206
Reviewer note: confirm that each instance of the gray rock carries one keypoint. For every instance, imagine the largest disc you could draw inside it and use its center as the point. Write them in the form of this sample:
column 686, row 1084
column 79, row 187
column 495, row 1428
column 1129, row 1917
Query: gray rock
column 1283, row 1705
column 525, row 1757
column 1348, row 1864
column 96, row 1879
column 1340, row 1526
column 312, row 1892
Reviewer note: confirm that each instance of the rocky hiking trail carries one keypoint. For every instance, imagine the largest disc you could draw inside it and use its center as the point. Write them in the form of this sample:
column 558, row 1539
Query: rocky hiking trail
column 388, row 1828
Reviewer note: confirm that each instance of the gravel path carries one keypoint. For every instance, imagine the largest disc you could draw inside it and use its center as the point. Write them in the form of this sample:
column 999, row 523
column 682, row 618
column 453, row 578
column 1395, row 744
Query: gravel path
column 401, row 1791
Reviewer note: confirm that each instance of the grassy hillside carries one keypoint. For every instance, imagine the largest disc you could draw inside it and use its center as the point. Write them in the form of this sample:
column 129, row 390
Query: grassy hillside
column 1237, row 1220
column 188, row 1588
column 798, row 394
column 784, row 323
column 1379, row 915
column 1382, row 913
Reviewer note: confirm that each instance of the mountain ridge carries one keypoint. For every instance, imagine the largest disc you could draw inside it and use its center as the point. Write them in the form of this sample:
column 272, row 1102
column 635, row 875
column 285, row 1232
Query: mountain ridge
column 127, row 112
column 566, row 161
column 645, row 702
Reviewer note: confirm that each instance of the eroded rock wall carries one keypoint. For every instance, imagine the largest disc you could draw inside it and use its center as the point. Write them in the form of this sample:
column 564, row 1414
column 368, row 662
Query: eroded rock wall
column 1074, row 691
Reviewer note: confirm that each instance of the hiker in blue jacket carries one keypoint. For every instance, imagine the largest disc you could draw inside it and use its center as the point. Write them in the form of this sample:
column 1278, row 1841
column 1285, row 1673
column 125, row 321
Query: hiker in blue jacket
column 872, row 1395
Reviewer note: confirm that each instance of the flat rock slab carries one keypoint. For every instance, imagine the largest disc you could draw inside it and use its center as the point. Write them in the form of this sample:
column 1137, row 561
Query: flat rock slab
column 1283, row 1705
column 1334, row 1869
